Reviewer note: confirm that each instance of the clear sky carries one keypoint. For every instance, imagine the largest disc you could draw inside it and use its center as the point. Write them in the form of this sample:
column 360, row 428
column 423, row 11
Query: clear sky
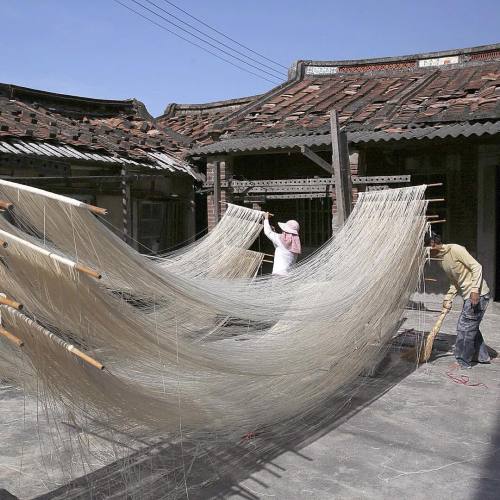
column 97, row 48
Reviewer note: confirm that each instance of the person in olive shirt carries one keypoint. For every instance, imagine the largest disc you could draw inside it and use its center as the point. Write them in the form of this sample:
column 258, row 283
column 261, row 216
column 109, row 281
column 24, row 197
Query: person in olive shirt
column 466, row 278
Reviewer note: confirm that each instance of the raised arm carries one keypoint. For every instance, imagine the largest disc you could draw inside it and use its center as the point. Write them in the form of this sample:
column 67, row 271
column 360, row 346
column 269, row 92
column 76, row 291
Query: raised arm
column 274, row 237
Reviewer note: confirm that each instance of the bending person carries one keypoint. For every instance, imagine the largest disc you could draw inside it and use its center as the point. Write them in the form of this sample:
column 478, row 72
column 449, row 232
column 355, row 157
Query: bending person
column 466, row 278
column 287, row 244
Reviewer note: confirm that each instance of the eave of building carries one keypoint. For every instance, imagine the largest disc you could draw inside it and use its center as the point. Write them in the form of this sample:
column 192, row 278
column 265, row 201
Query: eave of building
column 57, row 152
column 238, row 145
column 392, row 98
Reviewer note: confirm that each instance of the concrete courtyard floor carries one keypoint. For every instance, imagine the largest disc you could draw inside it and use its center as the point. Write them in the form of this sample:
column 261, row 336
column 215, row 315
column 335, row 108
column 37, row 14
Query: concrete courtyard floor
column 409, row 433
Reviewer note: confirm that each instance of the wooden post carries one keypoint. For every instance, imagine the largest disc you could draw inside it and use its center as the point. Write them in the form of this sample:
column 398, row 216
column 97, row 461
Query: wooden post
column 217, row 191
column 341, row 171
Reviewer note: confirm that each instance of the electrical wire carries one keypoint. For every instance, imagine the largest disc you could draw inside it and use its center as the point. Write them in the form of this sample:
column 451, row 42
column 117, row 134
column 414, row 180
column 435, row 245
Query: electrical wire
column 278, row 72
column 193, row 43
column 194, row 35
column 224, row 35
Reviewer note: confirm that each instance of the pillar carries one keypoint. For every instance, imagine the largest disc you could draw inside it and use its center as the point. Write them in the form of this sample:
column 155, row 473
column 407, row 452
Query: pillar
column 488, row 162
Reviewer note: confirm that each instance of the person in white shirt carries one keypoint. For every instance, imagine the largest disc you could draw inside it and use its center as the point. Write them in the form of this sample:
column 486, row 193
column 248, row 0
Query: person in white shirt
column 287, row 245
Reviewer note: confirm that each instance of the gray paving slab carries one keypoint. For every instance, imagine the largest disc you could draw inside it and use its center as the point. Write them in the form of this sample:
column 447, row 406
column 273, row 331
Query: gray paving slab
column 408, row 433
column 430, row 436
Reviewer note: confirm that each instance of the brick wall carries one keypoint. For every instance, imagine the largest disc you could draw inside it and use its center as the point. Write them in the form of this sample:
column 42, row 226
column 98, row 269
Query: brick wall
column 211, row 167
column 224, row 167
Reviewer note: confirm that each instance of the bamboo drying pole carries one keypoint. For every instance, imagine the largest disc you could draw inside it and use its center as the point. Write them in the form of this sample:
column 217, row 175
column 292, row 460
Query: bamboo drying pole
column 11, row 303
column 95, row 210
column 12, row 338
column 58, row 340
column 6, row 205
column 56, row 257
column 54, row 196
column 88, row 271
column 263, row 211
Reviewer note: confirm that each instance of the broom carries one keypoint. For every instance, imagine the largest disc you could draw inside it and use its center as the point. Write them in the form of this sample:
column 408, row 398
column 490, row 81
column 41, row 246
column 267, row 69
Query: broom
column 425, row 353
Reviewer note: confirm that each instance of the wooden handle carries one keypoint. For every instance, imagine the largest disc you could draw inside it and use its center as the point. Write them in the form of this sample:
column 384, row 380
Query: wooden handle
column 432, row 216
column 86, row 358
column 11, row 303
column 430, row 279
column 436, row 184
column 440, row 221
column 97, row 210
column 426, row 351
column 86, row 270
column 436, row 200
column 15, row 340
column 6, row 205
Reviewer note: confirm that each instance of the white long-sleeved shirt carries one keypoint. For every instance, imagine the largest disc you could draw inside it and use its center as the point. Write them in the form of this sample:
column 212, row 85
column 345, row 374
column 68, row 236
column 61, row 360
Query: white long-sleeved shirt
column 283, row 258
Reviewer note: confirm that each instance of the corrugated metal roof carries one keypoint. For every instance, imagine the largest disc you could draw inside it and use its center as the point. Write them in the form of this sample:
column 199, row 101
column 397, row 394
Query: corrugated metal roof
column 262, row 143
column 443, row 132
column 159, row 161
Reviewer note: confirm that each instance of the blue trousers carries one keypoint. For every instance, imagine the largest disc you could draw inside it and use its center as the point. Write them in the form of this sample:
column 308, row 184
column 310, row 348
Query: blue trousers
column 470, row 345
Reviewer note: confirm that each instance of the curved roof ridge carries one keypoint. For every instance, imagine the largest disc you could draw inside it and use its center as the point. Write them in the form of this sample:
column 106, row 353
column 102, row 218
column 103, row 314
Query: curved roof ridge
column 207, row 106
column 18, row 91
column 408, row 57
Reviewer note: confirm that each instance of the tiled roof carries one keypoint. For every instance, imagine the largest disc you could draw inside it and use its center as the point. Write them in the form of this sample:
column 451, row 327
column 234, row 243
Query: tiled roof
column 112, row 127
column 196, row 120
column 393, row 95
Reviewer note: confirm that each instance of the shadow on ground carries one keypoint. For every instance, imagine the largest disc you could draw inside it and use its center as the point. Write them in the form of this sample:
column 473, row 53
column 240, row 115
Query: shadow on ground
column 214, row 470
column 488, row 484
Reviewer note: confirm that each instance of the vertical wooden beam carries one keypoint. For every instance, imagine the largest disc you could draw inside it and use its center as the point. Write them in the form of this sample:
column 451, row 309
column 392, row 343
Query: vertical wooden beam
column 341, row 170
column 488, row 160
column 217, row 191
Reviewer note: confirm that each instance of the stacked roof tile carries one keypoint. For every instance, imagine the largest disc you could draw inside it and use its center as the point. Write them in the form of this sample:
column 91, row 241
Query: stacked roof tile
column 115, row 128
column 196, row 120
column 391, row 95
